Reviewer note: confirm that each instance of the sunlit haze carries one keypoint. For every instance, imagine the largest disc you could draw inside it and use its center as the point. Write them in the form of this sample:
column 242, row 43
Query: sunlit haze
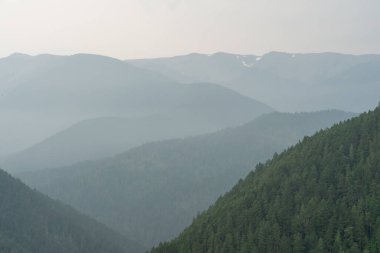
column 153, row 28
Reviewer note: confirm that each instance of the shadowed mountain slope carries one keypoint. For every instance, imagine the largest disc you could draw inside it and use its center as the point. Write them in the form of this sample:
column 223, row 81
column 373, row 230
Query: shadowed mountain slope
column 32, row 223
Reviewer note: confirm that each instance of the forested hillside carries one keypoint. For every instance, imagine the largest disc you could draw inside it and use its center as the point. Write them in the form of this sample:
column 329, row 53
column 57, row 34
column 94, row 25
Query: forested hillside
column 151, row 193
column 32, row 223
column 322, row 195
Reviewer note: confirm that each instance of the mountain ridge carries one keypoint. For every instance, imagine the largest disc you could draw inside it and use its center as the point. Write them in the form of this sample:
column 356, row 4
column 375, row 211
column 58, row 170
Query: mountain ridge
column 320, row 195
column 286, row 81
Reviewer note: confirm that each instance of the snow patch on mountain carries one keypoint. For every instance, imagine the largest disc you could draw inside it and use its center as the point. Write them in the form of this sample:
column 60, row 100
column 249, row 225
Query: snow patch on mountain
column 248, row 65
column 243, row 62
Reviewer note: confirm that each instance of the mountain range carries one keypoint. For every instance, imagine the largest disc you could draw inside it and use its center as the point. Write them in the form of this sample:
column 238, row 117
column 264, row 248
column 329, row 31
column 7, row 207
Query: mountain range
column 148, row 146
column 46, row 94
column 288, row 82
column 193, row 94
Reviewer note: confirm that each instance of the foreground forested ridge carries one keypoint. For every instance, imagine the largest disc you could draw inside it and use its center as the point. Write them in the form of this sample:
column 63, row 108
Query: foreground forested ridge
column 151, row 193
column 322, row 195
column 32, row 223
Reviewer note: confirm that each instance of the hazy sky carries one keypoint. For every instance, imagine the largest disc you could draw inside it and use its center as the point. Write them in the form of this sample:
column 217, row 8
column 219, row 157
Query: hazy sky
column 152, row 28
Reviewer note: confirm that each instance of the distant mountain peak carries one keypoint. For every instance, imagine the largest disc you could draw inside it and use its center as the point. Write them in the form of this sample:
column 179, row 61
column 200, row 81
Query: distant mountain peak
column 17, row 54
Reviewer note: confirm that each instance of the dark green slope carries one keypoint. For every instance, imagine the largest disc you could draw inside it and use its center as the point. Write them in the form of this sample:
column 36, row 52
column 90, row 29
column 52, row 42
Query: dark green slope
column 151, row 193
column 32, row 223
column 323, row 195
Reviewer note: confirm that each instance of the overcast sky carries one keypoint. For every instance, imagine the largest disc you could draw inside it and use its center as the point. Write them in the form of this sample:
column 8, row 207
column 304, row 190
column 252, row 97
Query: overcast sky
column 153, row 28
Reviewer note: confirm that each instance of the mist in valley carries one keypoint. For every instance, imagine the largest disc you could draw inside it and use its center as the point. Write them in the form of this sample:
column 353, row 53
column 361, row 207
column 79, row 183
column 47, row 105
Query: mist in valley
column 189, row 127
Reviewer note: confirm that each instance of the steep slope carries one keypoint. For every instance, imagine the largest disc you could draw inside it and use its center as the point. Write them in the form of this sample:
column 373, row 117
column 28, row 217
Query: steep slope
column 153, row 192
column 32, row 223
column 49, row 93
column 288, row 82
column 321, row 195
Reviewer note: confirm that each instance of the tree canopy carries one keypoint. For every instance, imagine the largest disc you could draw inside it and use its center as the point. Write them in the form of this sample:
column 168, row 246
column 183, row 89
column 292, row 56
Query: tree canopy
column 322, row 195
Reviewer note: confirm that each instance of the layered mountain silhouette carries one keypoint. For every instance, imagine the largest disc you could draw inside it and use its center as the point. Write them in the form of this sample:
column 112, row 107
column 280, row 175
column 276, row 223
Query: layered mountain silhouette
column 288, row 82
column 32, row 223
column 43, row 95
column 144, row 146
column 322, row 195
column 152, row 192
